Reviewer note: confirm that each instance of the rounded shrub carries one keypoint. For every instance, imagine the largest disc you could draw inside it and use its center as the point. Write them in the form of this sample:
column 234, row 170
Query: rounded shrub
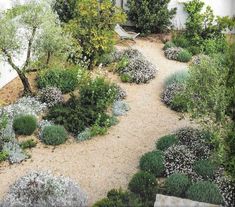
column 184, row 56
column 153, row 162
column 177, row 184
column 205, row 191
column 25, row 124
column 54, row 135
column 166, row 141
column 205, row 168
column 168, row 44
column 43, row 189
column 144, row 185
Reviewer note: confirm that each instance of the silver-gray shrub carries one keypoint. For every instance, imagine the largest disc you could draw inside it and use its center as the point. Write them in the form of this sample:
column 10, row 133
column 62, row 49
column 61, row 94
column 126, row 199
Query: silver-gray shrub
column 42, row 124
column 51, row 96
column 173, row 52
column 84, row 135
column 120, row 108
column 39, row 189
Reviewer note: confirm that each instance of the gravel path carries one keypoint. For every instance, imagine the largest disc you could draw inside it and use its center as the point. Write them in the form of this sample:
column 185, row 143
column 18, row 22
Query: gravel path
column 110, row 161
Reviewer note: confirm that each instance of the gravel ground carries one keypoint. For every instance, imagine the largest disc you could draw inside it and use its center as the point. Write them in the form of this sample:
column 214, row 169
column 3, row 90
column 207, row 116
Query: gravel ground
column 107, row 162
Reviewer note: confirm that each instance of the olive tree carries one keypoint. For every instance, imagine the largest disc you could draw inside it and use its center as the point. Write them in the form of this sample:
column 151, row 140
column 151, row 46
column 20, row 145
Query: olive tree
column 32, row 28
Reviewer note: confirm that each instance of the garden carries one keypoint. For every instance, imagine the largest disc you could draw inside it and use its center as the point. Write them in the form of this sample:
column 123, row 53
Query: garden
column 95, row 116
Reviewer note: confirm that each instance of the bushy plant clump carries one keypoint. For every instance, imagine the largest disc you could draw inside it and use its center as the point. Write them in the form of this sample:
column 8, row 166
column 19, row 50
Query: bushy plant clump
column 181, row 41
column 178, row 158
column 3, row 156
column 168, row 44
column 64, row 79
column 205, row 191
column 150, row 16
column 177, row 184
column 30, row 143
column 119, row 198
column 51, row 96
column 178, row 77
column 198, row 141
column 178, row 53
column 121, row 93
column 153, row 162
column 43, row 189
column 120, row 108
column 144, row 185
column 184, row 56
column 166, row 141
column 54, row 135
column 25, row 124
column 205, row 168
column 134, row 67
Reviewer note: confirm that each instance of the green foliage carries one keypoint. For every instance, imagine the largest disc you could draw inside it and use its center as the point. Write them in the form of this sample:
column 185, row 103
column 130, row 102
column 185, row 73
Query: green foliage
column 144, row 185
column 54, row 135
column 195, row 50
column 184, row 56
column 204, row 191
column 25, row 124
column 65, row 80
column 125, row 78
column 168, row 44
column 213, row 46
column 119, row 198
column 165, row 142
column 205, row 168
column 93, row 27
column 3, row 156
column 122, row 63
column 178, row 77
column 153, row 162
column 181, row 41
column 28, row 144
column 177, row 184
column 179, row 102
column 150, row 16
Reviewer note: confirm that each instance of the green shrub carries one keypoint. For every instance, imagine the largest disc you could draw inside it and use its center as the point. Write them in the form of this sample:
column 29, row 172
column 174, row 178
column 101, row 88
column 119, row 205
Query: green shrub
column 150, row 16
column 165, row 142
column 178, row 77
column 181, row 41
column 205, row 168
column 214, row 46
column 3, row 156
column 25, row 124
column 168, row 44
column 66, row 80
column 152, row 162
column 184, row 56
column 28, row 144
column 204, row 191
column 195, row 50
column 98, row 94
column 177, row 184
column 125, row 78
column 144, row 185
column 119, row 198
column 179, row 102
column 54, row 135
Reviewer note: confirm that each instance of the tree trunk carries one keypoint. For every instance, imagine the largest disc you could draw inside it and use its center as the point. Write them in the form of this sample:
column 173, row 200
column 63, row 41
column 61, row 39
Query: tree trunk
column 25, row 82
column 48, row 58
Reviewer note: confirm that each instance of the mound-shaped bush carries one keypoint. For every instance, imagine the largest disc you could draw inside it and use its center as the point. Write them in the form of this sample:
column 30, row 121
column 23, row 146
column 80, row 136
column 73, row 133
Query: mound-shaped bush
column 166, row 141
column 172, row 53
column 205, row 168
column 168, row 44
column 119, row 198
column 121, row 93
column 177, row 184
column 178, row 77
column 65, row 80
column 198, row 141
column 134, row 67
column 39, row 189
column 180, row 159
column 153, row 162
column 51, row 96
column 54, row 135
column 144, row 185
column 184, row 56
column 120, row 108
column 204, row 191
column 25, row 124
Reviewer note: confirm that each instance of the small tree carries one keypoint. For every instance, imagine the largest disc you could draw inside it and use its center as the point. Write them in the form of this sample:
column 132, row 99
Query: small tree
column 93, row 27
column 32, row 27
column 150, row 16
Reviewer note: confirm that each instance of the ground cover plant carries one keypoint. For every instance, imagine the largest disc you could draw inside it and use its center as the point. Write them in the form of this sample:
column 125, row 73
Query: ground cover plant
column 132, row 66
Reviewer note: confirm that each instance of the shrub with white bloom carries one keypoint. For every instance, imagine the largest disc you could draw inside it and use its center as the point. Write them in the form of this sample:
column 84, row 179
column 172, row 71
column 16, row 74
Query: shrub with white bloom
column 179, row 158
column 172, row 53
column 120, row 108
column 121, row 93
column 51, row 96
column 39, row 189
column 170, row 92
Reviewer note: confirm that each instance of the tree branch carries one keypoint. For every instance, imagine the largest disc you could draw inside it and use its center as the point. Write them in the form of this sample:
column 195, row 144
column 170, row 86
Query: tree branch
column 30, row 43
